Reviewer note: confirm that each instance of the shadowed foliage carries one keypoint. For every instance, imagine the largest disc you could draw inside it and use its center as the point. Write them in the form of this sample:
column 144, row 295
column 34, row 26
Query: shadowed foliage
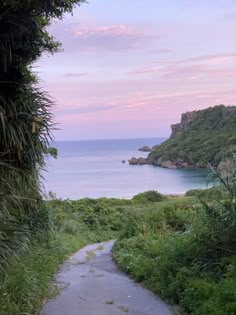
column 25, row 117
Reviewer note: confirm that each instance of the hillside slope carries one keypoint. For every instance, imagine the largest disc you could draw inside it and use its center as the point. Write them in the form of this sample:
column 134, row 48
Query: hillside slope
column 202, row 137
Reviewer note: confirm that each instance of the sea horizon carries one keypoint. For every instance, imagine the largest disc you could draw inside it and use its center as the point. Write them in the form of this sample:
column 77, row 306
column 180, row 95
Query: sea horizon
column 94, row 169
column 109, row 139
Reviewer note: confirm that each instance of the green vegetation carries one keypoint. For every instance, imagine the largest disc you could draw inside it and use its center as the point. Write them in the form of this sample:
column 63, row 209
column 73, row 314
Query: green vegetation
column 206, row 137
column 25, row 121
column 214, row 193
column 181, row 248
column 26, row 280
column 53, row 152
column 73, row 224
column 148, row 196
column 184, row 249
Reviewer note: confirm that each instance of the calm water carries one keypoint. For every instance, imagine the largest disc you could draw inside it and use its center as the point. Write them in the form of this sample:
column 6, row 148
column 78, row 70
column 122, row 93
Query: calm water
column 94, row 169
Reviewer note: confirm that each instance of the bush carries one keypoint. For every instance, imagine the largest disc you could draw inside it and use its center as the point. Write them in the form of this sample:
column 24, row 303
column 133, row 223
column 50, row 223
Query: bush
column 86, row 214
column 149, row 196
column 186, row 253
column 73, row 224
column 214, row 193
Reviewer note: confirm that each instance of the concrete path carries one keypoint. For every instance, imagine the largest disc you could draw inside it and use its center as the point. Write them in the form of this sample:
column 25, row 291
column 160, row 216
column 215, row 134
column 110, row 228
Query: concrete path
column 91, row 284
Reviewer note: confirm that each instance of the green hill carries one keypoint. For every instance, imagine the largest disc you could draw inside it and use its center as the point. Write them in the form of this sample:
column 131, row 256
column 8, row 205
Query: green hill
column 202, row 137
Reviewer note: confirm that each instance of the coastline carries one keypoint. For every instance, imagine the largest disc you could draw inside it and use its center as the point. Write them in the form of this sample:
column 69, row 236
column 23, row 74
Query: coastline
column 94, row 169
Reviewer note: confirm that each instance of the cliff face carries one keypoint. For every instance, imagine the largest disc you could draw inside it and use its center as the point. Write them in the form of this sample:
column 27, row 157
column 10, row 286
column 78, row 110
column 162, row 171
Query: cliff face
column 201, row 138
column 186, row 120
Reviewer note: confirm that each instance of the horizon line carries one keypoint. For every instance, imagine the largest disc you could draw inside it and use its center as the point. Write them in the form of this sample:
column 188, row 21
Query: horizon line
column 107, row 139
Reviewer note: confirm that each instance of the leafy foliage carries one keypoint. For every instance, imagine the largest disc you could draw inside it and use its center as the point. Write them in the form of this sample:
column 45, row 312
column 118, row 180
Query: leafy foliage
column 25, row 118
column 53, row 152
column 209, row 138
column 186, row 253
column 26, row 279
column 213, row 193
column 86, row 214
column 73, row 224
column 149, row 196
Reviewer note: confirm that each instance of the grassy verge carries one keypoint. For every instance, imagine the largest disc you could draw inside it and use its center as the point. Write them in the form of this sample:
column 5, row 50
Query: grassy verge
column 185, row 251
column 179, row 247
column 27, row 280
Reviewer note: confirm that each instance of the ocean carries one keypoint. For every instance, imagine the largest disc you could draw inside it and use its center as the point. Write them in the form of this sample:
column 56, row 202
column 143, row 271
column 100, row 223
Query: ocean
column 94, row 169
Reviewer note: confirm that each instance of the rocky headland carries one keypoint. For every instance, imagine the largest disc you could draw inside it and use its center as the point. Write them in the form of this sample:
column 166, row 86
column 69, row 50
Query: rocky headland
column 202, row 138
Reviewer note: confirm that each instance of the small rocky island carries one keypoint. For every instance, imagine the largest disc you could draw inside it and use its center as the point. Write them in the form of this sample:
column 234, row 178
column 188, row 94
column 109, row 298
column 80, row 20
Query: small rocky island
column 145, row 148
column 202, row 138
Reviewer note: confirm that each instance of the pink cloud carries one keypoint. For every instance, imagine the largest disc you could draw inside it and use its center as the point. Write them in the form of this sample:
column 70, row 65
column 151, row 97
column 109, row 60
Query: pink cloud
column 230, row 73
column 110, row 30
column 223, row 57
column 108, row 38
column 144, row 70
column 178, row 71
column 208, row 66
column 116, row 37
column 73, row 75
column 162, row 51
column 175, row 71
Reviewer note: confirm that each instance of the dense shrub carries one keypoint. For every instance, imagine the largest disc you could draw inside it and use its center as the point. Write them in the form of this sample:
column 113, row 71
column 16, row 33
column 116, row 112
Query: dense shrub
column 149, row 196
column 73, row 224
column 86, row 214
column 25, row 118
column 213, row 193
column 186, row 254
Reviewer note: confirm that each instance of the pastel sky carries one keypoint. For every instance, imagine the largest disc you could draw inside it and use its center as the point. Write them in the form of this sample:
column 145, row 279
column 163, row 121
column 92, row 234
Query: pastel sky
column 130, row 68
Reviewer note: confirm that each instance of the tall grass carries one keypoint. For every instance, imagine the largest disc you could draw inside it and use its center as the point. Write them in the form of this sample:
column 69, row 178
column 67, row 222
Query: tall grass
column 25, row 119
column 186, row 253
column 26, row 279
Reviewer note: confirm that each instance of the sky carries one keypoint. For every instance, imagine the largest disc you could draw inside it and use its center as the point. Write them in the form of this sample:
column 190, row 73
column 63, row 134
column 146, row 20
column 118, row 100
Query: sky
column 130, row 68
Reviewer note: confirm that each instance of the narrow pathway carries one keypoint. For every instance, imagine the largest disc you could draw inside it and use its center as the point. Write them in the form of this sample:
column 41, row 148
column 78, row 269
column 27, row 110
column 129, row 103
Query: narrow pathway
column 91, row 284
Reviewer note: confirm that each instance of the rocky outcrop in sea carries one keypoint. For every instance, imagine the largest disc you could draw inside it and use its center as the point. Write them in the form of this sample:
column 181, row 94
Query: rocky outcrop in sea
column 146, row 148
column 138, row 161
